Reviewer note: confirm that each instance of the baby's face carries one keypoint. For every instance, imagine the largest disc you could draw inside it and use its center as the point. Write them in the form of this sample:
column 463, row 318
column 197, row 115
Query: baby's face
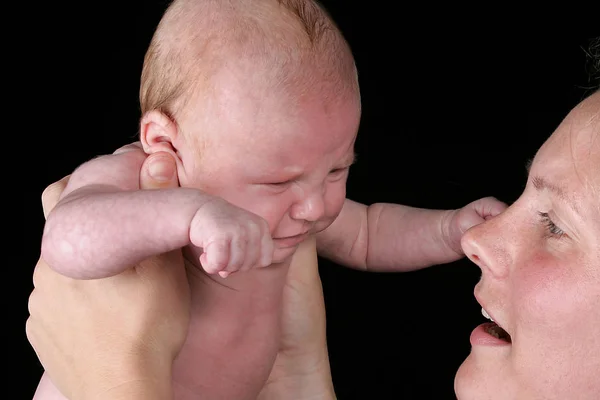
column 284, row 160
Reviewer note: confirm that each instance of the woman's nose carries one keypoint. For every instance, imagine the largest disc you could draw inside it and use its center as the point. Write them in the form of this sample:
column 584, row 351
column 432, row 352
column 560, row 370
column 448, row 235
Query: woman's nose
column 487, row 246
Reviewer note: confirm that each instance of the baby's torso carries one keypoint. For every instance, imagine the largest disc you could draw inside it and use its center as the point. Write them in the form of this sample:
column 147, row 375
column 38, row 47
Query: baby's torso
column 233, row 336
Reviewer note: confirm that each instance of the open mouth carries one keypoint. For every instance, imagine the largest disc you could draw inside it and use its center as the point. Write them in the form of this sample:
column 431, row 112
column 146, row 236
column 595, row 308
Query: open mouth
column 495, row 330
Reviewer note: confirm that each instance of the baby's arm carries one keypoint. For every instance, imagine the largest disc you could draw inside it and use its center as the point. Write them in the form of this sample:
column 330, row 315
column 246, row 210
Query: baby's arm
column 103, row 223
column 393, row 237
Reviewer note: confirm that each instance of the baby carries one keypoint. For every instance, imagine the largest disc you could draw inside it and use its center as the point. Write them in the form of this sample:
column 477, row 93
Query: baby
column 258, row 102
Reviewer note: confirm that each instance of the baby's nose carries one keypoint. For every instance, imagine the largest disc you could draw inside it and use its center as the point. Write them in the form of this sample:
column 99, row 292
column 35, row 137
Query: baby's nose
column 312, row 208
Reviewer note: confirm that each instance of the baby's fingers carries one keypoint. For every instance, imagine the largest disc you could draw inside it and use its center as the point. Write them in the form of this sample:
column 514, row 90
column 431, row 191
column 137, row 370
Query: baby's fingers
column 216, row 256
column 490, row 207
column 252, row 257
column 266, row 250
column 238, row 253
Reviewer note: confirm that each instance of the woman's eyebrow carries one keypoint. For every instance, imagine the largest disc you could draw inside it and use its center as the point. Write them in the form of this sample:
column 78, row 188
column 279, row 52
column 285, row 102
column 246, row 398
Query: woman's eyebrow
column 540, row 184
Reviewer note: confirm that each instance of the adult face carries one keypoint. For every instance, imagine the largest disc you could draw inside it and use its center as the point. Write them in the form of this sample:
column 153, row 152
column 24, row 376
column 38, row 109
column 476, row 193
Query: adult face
column 540, row 263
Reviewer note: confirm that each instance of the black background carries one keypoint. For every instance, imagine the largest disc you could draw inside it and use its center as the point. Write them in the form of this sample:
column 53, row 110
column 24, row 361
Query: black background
column 454, row 104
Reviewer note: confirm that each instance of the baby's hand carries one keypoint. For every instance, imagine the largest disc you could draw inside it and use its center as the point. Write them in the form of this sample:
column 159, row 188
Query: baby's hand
column 470, row 215
column 232, row 239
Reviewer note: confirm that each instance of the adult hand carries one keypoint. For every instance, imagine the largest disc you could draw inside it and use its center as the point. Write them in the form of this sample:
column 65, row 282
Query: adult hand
column 301, row 369
column 116, row 336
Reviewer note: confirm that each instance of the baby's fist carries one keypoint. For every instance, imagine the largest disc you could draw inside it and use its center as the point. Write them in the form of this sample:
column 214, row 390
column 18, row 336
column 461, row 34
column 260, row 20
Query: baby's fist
column 470, row 215
column 232, row 239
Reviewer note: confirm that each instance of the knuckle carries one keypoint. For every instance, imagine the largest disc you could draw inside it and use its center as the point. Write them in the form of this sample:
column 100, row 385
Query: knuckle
column 38, row 273
column 32, row 303
column 29, row 331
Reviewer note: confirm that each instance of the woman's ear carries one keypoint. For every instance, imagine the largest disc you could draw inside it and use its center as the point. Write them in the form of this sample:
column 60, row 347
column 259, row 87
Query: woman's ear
column 158, row 132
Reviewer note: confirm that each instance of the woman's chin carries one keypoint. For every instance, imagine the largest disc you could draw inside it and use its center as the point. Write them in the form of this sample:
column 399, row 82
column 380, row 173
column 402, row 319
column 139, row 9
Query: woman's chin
column 463, row 381
column 477, row 379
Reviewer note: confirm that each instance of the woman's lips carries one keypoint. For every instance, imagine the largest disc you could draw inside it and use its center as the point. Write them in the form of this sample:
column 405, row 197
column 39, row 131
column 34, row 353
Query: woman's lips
column 481, row 336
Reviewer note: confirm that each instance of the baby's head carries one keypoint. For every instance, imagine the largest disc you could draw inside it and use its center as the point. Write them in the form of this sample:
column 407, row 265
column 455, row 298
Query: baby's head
column 259, row 102
column 276, row 47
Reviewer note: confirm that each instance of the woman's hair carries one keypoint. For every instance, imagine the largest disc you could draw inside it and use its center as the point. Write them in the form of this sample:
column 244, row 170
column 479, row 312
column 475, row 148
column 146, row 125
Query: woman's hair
column 593, row 60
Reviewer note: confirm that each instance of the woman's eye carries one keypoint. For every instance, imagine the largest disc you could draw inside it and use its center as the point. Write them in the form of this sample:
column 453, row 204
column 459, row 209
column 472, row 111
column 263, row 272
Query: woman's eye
column 551, row 228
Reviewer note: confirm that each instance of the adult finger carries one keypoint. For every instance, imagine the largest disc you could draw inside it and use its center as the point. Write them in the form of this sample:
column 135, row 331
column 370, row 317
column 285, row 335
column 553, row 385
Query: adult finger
column 159, row 171
column 52, row 193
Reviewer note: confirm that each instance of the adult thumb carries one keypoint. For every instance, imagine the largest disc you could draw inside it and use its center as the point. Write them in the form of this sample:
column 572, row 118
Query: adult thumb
column 159, row 171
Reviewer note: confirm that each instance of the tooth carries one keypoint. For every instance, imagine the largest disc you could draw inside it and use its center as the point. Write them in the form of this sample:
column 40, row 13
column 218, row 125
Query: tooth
column 485, row 314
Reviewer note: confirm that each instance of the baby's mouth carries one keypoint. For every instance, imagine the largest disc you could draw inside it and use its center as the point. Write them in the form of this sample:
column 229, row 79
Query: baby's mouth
column 495, row 330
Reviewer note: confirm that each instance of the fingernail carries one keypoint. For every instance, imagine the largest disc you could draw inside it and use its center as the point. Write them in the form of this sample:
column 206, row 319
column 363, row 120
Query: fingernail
column 161, row 170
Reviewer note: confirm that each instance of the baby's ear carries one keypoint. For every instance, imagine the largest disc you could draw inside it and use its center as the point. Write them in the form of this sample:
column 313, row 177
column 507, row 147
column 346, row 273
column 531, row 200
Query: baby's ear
column 158, row 132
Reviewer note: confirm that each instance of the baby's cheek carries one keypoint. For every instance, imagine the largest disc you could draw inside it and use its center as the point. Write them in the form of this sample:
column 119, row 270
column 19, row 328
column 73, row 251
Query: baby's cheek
column 334, row 200
column 333, row 203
